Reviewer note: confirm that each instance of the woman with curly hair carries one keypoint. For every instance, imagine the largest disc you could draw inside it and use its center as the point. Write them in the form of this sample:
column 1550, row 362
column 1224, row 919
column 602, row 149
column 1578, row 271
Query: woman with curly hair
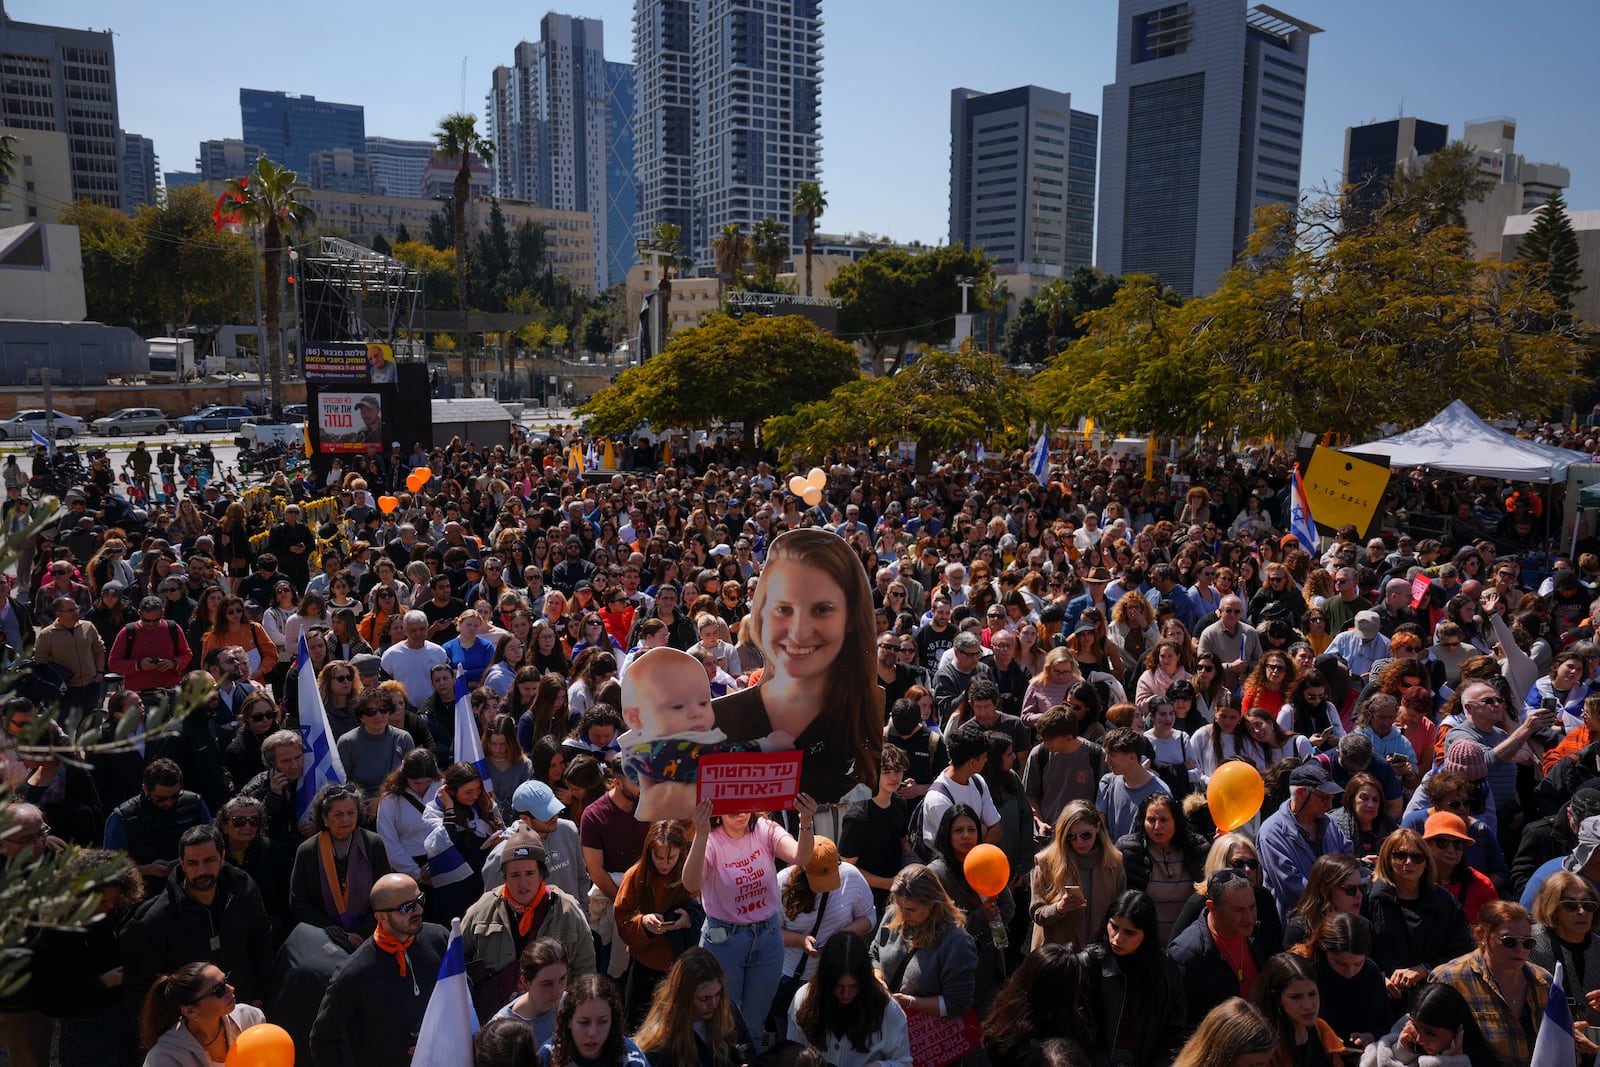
column 1309, row 710
column 1268, row 684
column 589, row 1029
column 922, row 950
column 845, row 1012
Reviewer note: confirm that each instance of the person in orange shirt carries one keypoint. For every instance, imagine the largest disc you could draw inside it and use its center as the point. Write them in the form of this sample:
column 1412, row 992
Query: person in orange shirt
column 1579, row 737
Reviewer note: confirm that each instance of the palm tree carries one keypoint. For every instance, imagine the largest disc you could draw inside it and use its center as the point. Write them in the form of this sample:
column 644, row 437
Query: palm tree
column 457, row 138
column 270, row 197
column 8, row 158
column 993, row 296
column 730, row 248
column 771, row 245
column 1055, row 303
column 810, row 201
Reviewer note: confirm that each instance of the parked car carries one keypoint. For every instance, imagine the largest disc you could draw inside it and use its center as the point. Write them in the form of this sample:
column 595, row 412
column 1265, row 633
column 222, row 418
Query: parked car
column 132, row 421
column 215, row 417
column 294, row 412
column 22, row 425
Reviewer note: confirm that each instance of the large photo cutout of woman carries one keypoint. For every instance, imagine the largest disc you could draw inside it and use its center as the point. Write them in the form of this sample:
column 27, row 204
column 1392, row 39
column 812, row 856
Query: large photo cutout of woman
column 811, row 615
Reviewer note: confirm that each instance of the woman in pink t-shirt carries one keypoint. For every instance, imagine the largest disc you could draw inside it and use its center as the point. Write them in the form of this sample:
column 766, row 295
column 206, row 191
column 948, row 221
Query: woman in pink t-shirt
column 732, row 865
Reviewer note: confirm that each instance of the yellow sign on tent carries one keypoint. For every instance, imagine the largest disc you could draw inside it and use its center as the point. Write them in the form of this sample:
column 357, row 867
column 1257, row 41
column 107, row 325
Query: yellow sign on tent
column 1343, row 489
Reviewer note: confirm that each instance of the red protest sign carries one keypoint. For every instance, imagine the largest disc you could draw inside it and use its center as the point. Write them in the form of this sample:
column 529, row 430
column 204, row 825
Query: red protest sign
column 937, row 1041
column 748, row 781
column 1419, row 589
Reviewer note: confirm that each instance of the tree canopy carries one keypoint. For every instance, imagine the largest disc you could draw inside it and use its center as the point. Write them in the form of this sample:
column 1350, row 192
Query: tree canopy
column 164, row 268
column 725, row 370
column 1326, row 323
column 1551, row 249
column 943, row 400
column 895, row 298
column 1044, row 322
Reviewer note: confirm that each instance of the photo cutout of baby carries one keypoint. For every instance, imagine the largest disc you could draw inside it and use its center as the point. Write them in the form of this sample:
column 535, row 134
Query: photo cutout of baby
column 666, row 704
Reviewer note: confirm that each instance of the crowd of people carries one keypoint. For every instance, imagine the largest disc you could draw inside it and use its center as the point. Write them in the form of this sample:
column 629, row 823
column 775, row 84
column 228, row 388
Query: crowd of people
column 963, row 656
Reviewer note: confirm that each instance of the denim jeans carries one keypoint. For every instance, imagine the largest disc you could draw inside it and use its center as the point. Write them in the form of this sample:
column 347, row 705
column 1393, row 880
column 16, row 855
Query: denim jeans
column 752, row 965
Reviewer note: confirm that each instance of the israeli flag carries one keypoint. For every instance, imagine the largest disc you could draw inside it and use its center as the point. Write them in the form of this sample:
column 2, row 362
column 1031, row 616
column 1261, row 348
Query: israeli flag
column 322, row 755
column 977, row 454
column 1300, row 521
column 468, row 744
column 1555, row 1046
column 43, row 442
column 445, row 1039
column 1039, row 458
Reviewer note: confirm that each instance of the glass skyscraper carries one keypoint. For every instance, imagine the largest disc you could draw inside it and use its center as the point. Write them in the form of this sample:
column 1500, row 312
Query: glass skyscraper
column 289, row 128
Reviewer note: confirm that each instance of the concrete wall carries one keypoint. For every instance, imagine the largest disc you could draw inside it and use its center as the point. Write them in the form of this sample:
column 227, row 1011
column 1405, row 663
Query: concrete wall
column 175, row 400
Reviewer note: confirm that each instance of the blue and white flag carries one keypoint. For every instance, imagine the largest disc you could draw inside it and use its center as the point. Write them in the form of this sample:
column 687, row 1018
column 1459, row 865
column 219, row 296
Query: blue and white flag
column 468, row 744
column 322, row 755
column 445, row 1038
column 43, row 442
column 1039, row 458
column 1555, row 1046
column 1300, row 521
column 978, row 455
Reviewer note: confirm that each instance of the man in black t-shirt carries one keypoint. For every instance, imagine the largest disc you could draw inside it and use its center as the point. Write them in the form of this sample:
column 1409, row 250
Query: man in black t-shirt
column 443, row 610
column 936, row 635
column 921, row 745
column 874, row 833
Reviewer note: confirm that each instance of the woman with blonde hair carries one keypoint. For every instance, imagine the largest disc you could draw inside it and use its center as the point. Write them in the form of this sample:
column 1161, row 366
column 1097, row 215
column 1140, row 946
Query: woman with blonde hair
column 1233, row 1034
column 339, row 683
column 1237, row 851
column 922, row 951
column 1049, row 687
column 1075, row 878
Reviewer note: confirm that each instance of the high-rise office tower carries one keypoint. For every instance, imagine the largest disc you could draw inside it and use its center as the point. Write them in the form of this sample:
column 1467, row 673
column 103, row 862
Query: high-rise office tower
column 224, row 158
column 289, row 128
column 396, row 165
column 139, row 170
column 1202, row 126
column 338, row 170
column 1372, row 152
column 729, row 107
column 551, row 116
column 60, row 80
column 622, row 200
column 1022, row 170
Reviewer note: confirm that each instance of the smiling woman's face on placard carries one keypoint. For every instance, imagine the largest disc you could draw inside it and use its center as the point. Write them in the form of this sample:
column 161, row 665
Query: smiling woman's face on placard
column 803, row 620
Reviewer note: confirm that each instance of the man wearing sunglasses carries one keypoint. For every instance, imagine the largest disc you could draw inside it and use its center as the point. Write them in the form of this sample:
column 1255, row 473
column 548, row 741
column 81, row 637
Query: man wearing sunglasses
column 206, row 910
column 372, row 1010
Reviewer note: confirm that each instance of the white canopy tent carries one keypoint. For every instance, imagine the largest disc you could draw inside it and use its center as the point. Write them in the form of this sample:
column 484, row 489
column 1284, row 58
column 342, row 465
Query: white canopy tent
column 1457, row 440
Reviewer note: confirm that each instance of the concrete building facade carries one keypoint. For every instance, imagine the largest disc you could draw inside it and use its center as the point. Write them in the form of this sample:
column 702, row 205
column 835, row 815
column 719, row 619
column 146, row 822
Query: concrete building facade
column 224, row 158
column 1520, row 186
column 555, row 116
column 1202, row 126
column 59, row 80
column 1586, row 224
column 338, row 170
column 139, row 171
column 1022, row 177
column 41, row 188
column 396, row 165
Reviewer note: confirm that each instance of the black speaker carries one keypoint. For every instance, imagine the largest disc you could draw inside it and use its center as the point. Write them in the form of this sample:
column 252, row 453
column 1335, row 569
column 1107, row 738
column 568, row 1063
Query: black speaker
column 413, row 405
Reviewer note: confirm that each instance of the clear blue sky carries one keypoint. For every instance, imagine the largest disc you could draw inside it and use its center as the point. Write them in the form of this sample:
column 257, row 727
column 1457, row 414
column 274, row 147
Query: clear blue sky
column 889, row 66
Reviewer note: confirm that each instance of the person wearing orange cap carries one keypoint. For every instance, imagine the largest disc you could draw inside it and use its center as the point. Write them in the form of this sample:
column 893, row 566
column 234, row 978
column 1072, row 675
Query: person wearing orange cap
column 1448, row 839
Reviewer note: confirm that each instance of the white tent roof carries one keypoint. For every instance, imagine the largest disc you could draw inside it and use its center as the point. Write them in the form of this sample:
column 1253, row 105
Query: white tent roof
column 1457, row 440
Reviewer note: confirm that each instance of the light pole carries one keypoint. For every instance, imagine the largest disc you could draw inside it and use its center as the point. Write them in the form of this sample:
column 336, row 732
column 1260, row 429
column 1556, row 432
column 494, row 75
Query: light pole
column 654, row 249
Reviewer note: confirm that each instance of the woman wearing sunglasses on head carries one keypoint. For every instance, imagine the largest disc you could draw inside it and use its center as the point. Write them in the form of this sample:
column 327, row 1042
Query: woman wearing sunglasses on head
column 1506, row 991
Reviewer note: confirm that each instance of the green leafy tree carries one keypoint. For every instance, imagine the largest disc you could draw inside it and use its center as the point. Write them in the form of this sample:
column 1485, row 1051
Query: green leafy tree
column 1436, row 193
column 894, row 298
column 810, row 201
column 112, row 246
column 193, row 273
column 1027, row 337
column 1351, row 328
column 271, row 196
column 770, row 245
column 943, row 400
column 1551, row 249
column 438, row 270
column 725, row 370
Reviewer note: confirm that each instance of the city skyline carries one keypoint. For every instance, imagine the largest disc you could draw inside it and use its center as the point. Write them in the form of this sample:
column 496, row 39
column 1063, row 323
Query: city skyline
column 882, row 117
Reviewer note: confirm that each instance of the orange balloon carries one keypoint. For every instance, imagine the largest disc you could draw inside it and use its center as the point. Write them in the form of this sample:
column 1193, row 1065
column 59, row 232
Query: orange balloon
column 423, row 473
column 797, row 485
column 386, row 504
column 1234, row 795
column 812, row 495
column 987, row 869
column 414, row 480
column 262, row 1045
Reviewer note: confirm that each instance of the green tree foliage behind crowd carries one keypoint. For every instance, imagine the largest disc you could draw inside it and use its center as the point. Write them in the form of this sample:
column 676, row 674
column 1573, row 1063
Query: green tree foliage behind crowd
column 1331, row 320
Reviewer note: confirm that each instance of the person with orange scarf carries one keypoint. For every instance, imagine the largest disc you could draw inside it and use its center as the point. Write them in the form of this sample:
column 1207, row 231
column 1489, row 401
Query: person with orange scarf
column 495, row 930
column 373, row 1007
column 336, row 868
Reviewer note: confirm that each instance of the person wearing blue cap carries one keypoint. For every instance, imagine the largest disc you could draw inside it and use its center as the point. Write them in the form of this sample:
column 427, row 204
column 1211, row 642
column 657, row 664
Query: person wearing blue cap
column 1297, row 833
column 537, row 809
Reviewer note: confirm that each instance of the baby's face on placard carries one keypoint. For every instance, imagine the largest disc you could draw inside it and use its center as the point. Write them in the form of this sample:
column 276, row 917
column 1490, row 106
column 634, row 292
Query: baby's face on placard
column 674, row 697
